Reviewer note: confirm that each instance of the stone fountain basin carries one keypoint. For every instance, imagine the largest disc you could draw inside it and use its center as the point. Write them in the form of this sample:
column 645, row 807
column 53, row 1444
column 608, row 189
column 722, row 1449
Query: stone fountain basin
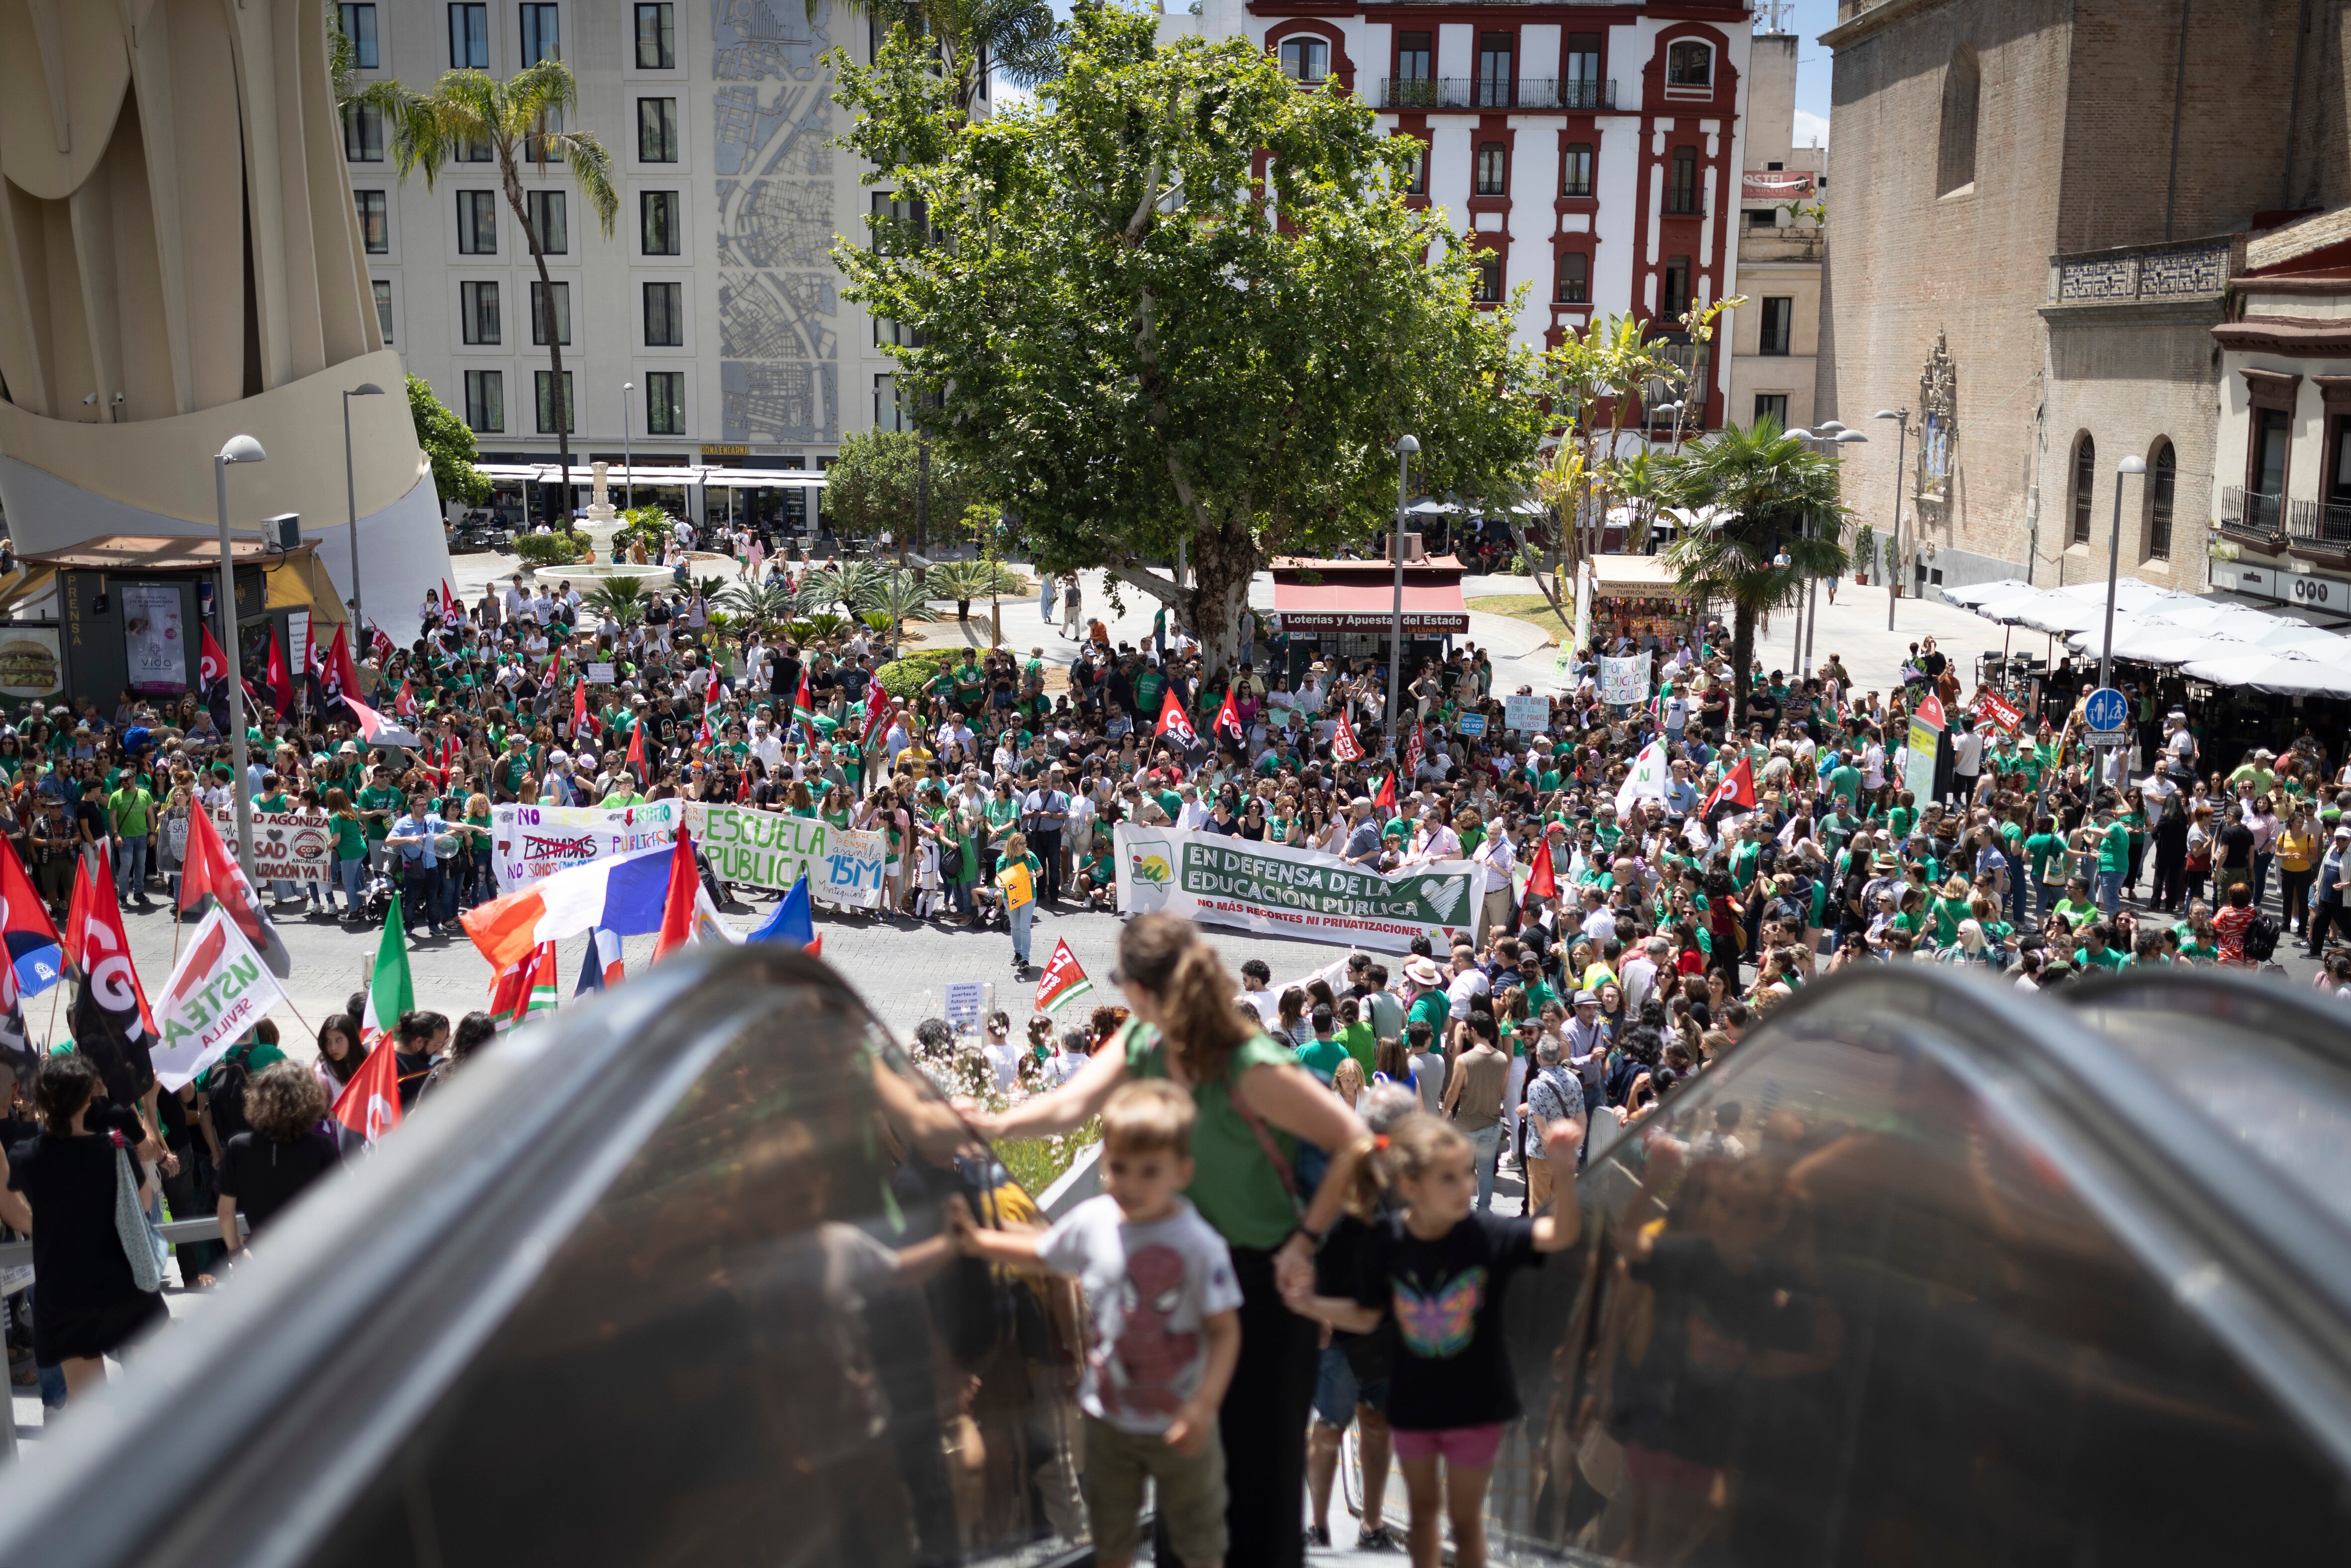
column 587, row 574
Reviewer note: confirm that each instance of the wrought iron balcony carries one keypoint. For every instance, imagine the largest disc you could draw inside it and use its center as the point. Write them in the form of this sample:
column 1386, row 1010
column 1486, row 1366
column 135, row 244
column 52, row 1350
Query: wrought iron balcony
column 2251, row 514
column 2320, row 523
column 1495, row 92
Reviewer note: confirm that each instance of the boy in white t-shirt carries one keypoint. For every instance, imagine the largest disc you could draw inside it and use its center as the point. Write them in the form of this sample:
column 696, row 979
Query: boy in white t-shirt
column 1163, row 1327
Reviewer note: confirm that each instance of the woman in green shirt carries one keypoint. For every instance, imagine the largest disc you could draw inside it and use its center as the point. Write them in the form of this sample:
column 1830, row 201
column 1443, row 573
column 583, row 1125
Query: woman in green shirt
column 1256, row 1104
column 350, row 849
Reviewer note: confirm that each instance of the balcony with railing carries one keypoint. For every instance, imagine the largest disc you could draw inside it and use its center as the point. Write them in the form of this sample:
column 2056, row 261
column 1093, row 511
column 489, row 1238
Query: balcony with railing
column 2250, row 514
column 2319, row 525
column 1496, row 93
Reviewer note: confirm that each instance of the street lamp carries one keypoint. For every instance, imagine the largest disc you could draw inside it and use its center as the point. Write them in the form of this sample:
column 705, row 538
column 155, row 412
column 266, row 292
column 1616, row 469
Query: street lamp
column 628, row 468
column 1844, row 437
column 351, row 497
column 1796, row 651
column 2131, row 464
column 240, row 449
column 1406, row 447
column 1901, row 416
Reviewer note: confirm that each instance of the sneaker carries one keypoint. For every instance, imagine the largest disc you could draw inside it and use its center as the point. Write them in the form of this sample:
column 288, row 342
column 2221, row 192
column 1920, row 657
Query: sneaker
column 1318, row 1535
column 1381, row 1538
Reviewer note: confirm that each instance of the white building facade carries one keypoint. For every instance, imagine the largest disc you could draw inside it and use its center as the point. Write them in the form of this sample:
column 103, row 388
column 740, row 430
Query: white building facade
column 1591, row 151
column 715, row 298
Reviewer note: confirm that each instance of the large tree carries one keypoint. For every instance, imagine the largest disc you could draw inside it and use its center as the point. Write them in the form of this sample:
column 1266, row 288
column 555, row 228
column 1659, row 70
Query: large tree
column 520, row 121
column 1780, row 524
column 449, row 443
column 1150, row 336
column 877, row 482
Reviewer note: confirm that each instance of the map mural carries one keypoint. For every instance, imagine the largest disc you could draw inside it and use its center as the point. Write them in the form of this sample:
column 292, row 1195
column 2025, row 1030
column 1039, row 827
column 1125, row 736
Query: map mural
column 778, row 309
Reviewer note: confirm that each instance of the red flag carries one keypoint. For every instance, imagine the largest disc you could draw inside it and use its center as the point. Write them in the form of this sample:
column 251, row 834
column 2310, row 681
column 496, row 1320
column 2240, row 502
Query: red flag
column 35, row 951
column 403, row 704
column 1386, row 800
column 636, row 757
column 79, row 910
column 1344, row 747
column 743, row 789
column 369, row 1103
column 98, row 946
column 213, row 664
column 877, row 710
column 1412, row 752
column 1062, row 982
column 703, row 737
column 1174, row 721
column 212, row 872
column 279, row 679
column 448, row 602
column 677, row 907
column 1542, row 880
column 1228, row 717
column 381, row 644
column 581, row 721
column 1738, row 786
column 338, row 676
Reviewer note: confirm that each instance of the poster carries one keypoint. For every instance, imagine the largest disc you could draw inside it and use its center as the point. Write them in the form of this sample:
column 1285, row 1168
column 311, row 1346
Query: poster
column 287, row 846
column 528, row 842
column 1287, row 891
column 1918, row 752
column 29, row 665
column 1526, row 714
column 154, row 644
column 964, row 999
column 600, row 675
column 769, row 848
column 297, row 642
column 1470, row 724
column 1625, row 683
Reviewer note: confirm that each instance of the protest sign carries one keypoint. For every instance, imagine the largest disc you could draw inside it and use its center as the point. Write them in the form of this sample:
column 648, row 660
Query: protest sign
column 287, row 846
column 1212, row 879
column 1470, row 724
column 963, row 1004
column 219, row 989
column 528, row 842
column 1625, row 683
column 600, row 675
column 769, row 848
column 1528, row 714
column 1919, row 753
column 1990, row 705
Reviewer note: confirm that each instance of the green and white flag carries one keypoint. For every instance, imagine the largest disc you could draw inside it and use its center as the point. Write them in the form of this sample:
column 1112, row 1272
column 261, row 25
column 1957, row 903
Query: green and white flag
column 389, row 992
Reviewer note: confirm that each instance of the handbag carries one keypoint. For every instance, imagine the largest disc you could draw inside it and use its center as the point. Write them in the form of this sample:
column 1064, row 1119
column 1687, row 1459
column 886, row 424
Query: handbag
column 131, row 1226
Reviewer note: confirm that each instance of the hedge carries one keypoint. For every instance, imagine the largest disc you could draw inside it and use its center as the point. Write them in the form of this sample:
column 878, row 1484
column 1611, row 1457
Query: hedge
column 905, row 677
column 550, row 550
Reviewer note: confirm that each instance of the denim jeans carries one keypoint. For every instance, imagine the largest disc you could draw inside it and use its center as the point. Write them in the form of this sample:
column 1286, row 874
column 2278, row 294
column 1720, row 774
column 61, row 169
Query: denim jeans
column 350, row 873
column 131, row 866
column 2262, row 863
column 1488, row 1141
column 1021, row 919
column 2110, row 891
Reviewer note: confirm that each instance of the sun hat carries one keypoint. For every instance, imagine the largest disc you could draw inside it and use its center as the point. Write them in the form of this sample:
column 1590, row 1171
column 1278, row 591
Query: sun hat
column 1422, row 972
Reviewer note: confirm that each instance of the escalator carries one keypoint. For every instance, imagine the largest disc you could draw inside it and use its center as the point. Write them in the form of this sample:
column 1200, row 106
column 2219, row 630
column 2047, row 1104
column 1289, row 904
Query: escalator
column 1928, row 1272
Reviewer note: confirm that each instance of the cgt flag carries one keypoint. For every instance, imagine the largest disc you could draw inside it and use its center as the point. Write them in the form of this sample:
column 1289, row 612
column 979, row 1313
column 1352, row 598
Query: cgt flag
column 1174, row 722
column 210, row 871
column 1344, row 747
column 1062, row 982
column 109, row 1019
column 368, row 1106
column 1229, row 720
column 219, row 989
column 1737, row 789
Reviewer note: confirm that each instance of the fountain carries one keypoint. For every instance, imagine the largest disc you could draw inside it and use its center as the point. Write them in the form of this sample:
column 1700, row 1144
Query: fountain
column 603, row 563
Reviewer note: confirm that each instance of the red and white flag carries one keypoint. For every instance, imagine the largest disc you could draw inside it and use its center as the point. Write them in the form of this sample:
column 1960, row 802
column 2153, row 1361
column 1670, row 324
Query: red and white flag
column 1229, row 718
column 524, row 990
column 1737, row 788
column 1344, row 747
column 218, row 990
column 369, row 1103
column 1062, row 982
column 403, row 702
column 378, row 730
column 212, row 872
column 1413, row 750
column 1174, row 721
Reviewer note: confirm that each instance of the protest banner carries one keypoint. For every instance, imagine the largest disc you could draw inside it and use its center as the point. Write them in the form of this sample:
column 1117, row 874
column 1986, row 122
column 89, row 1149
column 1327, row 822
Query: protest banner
column 528, row 842
column 287, row 846
column 1526, row 715
column 218, row 990
column 1212, row 879
column 1990, row 705
column 1625, row 683
column 600, row 675
column 769, row 848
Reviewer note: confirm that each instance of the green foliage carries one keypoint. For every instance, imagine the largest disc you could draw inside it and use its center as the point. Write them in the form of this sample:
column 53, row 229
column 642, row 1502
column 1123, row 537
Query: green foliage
column 1037, row 1163
column 821, row 628
column 904, row 677
column 449, row 444
column 963, row 581
column 875, row 483
column 1126, row 338
column 619, row 601
column 762, row 604
column 853, row 585
column 550, row 550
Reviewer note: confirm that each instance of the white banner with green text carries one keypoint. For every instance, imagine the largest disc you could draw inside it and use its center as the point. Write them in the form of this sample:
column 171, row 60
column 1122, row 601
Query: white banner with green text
column 1285, row 891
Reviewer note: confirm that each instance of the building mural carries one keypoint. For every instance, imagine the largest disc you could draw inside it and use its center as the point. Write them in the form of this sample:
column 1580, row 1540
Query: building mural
column 778, row 304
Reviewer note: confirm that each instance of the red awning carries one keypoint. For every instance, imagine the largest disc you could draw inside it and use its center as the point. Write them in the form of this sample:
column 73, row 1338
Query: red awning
column 1367, row 607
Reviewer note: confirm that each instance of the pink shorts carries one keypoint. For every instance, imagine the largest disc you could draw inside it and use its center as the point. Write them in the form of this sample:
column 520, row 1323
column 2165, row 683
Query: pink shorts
column 1462, row 1448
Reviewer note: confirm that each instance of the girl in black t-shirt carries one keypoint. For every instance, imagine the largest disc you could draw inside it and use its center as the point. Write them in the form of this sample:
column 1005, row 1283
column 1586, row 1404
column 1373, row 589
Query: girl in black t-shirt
column 1440, row 1270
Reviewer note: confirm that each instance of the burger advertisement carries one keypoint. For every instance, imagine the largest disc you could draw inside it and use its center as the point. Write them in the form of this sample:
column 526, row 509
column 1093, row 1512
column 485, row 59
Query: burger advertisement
column 29, row 661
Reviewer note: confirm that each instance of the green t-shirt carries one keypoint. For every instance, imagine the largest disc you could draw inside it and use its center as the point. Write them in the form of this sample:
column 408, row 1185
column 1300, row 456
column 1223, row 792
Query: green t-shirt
column 2076, row 915
column 1432, row 1008
column 2113, row 849
column 2112, row 958
column 1321, row 1057
column 1845, row 783
column 622, row 794
column 1948, row 913
column 2046, row 851
column 133, row 809
column 350, row 837
column 1235, row 1188
column 385, row 800
column 1361, row 1044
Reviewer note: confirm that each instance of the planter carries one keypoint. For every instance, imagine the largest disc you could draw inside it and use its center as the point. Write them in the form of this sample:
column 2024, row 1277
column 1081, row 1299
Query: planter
column 1860, row 579
column 1898, row 591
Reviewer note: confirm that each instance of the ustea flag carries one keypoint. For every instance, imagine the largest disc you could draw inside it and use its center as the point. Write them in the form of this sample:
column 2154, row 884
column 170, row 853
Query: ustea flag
column 219, row 989
column 1062, row 982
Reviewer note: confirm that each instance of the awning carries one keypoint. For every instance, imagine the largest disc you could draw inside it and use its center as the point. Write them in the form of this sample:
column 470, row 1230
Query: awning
column 1429, row 608
column 616, row 476
column 1635, row 577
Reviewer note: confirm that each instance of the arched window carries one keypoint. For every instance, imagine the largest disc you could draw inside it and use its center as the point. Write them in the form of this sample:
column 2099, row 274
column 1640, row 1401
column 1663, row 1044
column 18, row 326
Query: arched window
column 1962, row 87
column 2085, row 476
column 1305, row 60
column 2162, row 483
column 1690, row 64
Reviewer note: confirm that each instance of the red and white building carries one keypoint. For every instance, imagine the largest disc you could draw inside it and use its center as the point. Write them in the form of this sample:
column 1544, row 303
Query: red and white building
column 1590, row 151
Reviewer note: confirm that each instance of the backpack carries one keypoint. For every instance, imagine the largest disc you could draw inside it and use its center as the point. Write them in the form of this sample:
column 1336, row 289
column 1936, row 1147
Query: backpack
column 225, row 1091
column 2262, row 939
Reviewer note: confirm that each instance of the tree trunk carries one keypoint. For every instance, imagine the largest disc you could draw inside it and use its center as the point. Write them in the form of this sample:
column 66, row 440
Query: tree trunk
column 1742, row 656
column 1222, row 560
column 963, row 609
column 546, row 313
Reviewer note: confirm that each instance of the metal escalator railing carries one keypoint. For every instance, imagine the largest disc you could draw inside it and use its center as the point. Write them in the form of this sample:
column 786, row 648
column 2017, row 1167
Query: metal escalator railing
column 614, row 1295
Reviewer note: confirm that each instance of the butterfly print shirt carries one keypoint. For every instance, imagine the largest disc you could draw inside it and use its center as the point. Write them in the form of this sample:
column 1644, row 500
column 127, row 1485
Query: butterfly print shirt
column 1452, row 1368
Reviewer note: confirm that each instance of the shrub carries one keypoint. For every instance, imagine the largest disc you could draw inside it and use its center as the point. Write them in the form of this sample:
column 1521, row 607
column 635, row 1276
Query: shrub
column 904, row 677
column 550, row 550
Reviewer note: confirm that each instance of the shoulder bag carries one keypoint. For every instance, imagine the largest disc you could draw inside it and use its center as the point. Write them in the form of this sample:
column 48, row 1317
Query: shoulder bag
column 131, row 1226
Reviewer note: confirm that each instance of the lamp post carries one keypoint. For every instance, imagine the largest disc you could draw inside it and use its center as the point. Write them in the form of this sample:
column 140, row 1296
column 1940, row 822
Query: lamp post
column 1901, row 417
column 1803, row 530
column 2131, row 464
column 1406, row 447
column 240, row 449
column 628, row 467
column 351, row 495
column 1812, row 619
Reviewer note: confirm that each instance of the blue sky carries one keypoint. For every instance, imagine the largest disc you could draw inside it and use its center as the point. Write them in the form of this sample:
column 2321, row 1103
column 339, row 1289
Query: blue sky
column 1810, row 19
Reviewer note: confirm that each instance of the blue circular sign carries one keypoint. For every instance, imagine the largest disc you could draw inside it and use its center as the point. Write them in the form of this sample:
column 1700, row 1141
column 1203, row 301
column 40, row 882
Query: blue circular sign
column 2106, row 710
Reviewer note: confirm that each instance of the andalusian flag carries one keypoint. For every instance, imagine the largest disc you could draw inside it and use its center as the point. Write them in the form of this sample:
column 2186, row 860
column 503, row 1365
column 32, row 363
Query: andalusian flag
column 804, row 709
column 390, row 992
column 1064, row 982
column 524, row 990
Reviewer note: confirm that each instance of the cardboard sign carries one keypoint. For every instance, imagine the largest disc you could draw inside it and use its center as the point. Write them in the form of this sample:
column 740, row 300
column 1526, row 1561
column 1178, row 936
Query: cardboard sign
column 964, row 1001
column 600, row 675
column 1528, row 716
column 287, row 846
column 1625, row 683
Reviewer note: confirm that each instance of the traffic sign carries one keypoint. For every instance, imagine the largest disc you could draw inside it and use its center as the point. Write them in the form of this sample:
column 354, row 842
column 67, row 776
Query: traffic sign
column 2107, row 739
column 2105, row 712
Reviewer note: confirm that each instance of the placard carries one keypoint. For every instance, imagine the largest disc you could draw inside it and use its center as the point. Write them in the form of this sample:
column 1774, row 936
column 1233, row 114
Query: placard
column 1470, row 724
column 287, row 846
column 964, row 1001
column 528, row 842
column 1526, row 714
column 600, row 675
column 770, row 849
column 1212, row 879
column 1625, row 683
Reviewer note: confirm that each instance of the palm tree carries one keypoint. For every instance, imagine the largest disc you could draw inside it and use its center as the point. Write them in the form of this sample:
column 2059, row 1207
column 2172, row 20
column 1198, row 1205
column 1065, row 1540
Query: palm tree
column 898, row 597
column 852, row 584
column 1019, row 40
column 518, row 120
column 619, row 601
column 963, row 581
column 762, row 604
column 1767, row 487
